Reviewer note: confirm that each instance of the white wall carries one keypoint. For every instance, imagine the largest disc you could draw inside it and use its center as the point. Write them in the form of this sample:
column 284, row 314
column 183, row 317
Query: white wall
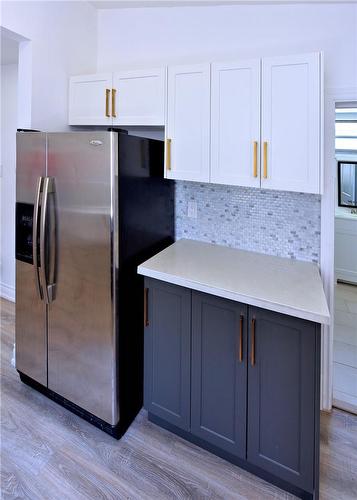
column 8, row 160
column 133, row 37
column 63, row 40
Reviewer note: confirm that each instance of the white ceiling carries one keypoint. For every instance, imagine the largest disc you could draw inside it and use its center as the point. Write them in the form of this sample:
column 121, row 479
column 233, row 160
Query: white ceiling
column 124, row 4
column 9, row 50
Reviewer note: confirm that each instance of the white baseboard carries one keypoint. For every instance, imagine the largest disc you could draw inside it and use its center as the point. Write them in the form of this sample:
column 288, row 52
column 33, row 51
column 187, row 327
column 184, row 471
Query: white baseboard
column 7, row 292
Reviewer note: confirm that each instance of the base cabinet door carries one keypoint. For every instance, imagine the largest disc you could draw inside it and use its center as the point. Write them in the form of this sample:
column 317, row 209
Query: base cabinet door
column 219, row 372
column 282, row 380
column 167, row 352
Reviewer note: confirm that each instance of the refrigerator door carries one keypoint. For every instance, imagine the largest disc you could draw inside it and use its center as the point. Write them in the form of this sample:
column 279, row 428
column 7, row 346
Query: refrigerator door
column 31, row 339
column 82, row 328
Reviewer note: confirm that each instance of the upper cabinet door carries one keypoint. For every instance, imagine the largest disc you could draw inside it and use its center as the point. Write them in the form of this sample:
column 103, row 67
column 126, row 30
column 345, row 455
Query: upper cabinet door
column 90, row 99
column 188, row 123
column 291, row 134
column 138, row 97
column 235, row 123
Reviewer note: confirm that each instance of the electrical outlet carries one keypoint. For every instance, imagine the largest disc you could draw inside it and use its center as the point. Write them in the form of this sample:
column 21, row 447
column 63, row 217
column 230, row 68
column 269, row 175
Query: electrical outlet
column 192, row 209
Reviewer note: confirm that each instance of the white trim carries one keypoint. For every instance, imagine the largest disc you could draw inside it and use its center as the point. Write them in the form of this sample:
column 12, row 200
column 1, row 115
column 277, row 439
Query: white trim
column 7, row 292
column 328, row 237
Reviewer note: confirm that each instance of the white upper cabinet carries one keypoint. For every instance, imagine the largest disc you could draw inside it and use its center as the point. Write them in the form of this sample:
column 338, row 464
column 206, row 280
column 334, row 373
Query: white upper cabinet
column 89, row 99
column 134, row 97
column 138, row 97
column 187, row 154
column 291, row 128
column 235, row 123
column 254, row 122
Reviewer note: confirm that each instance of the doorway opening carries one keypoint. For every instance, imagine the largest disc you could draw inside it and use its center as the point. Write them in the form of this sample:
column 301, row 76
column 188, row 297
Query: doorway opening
column 16, row 98
column 9, row 124
column 345, row 323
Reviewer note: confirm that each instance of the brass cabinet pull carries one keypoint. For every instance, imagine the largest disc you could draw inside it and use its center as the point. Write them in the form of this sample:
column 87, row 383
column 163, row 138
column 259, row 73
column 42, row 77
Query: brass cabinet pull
column 107, row 94
column 114, row 92
column 255, row 159
column 146, row 316
column 240, row 354
column 265, row 163
column 168, row 154
column 252, row 347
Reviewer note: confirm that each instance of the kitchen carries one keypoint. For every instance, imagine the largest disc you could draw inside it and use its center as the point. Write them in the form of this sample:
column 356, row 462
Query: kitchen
column 177, row 84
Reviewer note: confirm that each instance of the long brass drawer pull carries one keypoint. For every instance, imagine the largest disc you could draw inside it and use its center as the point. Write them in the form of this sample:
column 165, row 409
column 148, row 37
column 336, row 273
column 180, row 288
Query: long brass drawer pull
column 114, row 93
column 107, row 94
column 241, row 322
column 255, row 159
column 265, row 162
column 252, row 347
column 168, row 154
column 146, row 316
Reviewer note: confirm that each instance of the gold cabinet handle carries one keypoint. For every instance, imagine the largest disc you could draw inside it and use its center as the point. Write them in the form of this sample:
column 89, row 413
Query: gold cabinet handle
column 107, row 94
column 265, row 162
column 114, row 92
column 255, row 159
column 240, row 351
column 252, row 346
column 146, row 315
column 168, row 154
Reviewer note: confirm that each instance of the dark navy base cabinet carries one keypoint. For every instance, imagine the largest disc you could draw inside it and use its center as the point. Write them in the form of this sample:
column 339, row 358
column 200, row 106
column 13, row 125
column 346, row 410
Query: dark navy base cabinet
column 219, row 372
column 167, row 347
column 282, row 396
column 240, row 381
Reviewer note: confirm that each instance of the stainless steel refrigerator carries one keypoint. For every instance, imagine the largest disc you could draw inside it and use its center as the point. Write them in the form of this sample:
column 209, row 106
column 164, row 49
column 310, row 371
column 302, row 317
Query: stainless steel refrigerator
column 90, row 206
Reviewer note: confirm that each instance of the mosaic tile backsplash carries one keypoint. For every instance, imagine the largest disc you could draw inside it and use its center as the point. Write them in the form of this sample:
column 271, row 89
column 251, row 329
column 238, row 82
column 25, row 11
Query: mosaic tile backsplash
column 273, row 222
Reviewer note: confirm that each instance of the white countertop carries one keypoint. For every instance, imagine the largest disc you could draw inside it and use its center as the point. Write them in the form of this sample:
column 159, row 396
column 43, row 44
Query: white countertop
column 279, row 284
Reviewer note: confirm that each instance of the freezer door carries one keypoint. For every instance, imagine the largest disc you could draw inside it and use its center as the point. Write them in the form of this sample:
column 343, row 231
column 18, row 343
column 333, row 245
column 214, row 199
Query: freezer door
column 81, row 333
column 31, row 339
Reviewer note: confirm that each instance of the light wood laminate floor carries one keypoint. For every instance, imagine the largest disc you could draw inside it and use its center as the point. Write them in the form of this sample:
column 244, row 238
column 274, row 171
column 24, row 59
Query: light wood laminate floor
column 345, row 348
column 49, row 453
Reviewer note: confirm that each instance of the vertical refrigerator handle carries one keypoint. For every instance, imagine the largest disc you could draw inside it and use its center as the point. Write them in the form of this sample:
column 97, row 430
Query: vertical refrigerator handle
column 36, row 210
column 48, row 187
